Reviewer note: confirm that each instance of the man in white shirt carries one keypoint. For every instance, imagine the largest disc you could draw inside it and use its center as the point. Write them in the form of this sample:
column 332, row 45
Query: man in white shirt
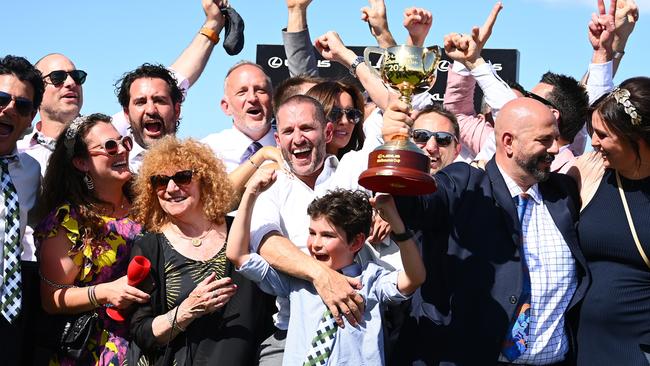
column 280, row 221
column 21, row 92
column 248, row 100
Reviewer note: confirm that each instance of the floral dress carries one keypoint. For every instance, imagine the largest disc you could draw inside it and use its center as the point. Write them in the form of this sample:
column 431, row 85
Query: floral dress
column 100, row 262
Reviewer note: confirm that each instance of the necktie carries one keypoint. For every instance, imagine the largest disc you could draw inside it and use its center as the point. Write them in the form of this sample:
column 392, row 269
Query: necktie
column 250, row 150
column 11, row 292
column 323, row 342
column 516, row 340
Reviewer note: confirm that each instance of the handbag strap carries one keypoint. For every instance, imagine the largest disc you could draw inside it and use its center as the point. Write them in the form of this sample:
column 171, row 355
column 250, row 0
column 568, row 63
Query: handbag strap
column 629, row 221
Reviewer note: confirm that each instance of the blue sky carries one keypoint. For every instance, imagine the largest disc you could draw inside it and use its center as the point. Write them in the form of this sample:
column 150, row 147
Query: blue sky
column 108, row 38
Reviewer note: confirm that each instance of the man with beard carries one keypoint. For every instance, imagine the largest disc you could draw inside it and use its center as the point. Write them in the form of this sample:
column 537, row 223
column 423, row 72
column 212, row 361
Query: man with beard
column 503, row 264
column 247, row 98
column 280, row 216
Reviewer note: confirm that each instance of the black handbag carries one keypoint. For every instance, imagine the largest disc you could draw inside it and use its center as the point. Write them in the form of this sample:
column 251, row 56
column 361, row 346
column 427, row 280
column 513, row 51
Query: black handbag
column 75, row 334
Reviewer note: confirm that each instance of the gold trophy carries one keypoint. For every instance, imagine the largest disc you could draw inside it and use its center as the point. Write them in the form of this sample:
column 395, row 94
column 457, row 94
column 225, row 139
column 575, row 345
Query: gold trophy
column 398, row 166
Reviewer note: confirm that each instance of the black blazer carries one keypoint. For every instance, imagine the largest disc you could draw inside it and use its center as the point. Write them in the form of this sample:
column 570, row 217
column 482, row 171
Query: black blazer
column 470, row 247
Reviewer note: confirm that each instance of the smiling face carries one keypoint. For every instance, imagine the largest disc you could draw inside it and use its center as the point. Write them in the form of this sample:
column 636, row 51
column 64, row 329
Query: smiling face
column 439, row 156
column 13, row 123
column 247, row 98
column 302, row 138
column 342, row 127
column 329, row 244
column 617, row 153
column 180, row 200
column 104, row 169
column 535, row 147
column 151, row 110
column 61, row 102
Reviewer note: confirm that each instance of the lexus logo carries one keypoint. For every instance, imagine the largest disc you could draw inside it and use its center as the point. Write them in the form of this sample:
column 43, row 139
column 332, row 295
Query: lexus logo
column 275, row 62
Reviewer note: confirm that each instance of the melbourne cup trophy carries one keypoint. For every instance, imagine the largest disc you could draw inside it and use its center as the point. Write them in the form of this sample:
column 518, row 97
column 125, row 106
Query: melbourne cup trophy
column 399, row 166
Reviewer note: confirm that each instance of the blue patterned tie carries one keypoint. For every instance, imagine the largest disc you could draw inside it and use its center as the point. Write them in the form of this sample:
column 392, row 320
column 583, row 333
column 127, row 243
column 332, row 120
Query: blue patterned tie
column 516, row 340
column 11, row 292
column 250, row 150
column 323, row 342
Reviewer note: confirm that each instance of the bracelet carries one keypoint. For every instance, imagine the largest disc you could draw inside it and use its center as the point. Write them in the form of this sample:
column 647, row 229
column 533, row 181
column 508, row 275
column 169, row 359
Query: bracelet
column 252, row 162
column 53, row 284
column 406, row 235
column 211, row 34
column 92, row 297
column 172, row 320
column 618, row 55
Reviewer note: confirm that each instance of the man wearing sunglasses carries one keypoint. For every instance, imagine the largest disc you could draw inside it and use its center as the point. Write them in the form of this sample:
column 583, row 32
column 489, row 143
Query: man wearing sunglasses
column 436, row 132
column 21, row 92
column 63, row 97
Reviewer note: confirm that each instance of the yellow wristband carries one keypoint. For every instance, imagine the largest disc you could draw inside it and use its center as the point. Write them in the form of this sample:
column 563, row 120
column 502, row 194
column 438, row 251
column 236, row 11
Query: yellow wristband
column 211, row 34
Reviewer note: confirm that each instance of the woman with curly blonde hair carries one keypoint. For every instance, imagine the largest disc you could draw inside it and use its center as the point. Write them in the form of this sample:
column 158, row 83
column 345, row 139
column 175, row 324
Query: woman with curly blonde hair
column 201, row 309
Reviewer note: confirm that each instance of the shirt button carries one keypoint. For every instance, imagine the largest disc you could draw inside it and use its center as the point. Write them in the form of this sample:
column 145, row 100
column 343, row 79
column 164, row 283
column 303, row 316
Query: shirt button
column 513, row 299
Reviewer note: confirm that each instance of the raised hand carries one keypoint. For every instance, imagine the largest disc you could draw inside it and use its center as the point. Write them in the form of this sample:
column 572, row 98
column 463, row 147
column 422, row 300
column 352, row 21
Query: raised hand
column 385, row 206
column 375, row 16
column 261, row 181
column 397, row 120
column 330, row 46
column 602, row 26
column 213, row 17
column 627, row 14
column 467, row 48
column 302, row 4
column 417, row 22
column 379, row 229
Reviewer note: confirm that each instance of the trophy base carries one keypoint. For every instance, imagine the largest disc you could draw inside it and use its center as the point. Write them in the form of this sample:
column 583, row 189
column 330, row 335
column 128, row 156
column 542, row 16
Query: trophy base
column 400, row 168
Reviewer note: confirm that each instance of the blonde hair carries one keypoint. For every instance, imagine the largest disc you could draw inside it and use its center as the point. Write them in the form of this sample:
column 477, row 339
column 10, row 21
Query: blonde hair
column 217, row 193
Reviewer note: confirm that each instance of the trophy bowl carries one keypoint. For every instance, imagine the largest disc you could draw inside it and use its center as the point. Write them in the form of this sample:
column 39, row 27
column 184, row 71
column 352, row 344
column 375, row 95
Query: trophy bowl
column 398, row 166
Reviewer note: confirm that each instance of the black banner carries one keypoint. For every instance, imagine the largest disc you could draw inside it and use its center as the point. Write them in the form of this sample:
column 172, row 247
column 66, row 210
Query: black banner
column 273, row 59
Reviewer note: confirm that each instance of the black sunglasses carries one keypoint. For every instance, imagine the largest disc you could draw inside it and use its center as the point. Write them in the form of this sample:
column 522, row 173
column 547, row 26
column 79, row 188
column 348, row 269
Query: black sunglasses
column 183, row 177
column 422, row 136
column 112, row 146
column 24, row 106
column 57, row 77
column 353, row 115
column 540, row 99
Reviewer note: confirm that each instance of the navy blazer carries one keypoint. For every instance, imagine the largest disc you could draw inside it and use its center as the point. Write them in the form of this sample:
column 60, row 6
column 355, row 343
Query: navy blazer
column 470, row 247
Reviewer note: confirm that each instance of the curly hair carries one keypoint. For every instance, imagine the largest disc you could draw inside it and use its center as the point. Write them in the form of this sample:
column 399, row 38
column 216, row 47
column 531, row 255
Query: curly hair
column 25, row 72
column 327, row 94
column 345, row 209
column 618, row 120
column 217, row 193
column 63, row 182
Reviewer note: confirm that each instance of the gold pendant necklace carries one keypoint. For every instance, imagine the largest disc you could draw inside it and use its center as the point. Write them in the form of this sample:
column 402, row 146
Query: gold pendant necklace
column 196, row 241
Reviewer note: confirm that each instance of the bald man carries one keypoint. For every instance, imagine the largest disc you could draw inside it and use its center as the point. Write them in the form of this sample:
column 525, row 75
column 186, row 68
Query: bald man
column 502, row 256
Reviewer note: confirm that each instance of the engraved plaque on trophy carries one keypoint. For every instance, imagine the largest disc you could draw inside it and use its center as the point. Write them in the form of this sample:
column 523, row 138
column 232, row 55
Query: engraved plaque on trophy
column 398, row 166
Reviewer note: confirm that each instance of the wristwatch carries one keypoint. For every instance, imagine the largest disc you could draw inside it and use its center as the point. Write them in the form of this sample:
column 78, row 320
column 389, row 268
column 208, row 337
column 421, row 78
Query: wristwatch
column 353, row 66
column 408, row 234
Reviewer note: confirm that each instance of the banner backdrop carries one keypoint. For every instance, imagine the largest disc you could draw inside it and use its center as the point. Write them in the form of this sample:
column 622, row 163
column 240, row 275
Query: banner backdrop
column 273, row 59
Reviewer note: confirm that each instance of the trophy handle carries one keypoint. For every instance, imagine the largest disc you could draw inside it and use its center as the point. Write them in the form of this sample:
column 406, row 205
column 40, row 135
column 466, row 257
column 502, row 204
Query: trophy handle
column 366, row 58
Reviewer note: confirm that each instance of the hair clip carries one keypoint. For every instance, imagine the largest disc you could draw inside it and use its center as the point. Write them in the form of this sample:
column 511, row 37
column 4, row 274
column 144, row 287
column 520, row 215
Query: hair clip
column 71, row 134
column 622, row 97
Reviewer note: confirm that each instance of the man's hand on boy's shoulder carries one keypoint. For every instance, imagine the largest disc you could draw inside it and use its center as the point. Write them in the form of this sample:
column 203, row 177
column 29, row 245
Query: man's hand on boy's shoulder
column 339, row 293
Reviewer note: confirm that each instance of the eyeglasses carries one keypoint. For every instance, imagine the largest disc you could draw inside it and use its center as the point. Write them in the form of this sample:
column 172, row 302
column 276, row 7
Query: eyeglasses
column 184, row 177
column 422, row 136
column 112, row 146
column 540, row 99
column 57, row 77
column 23, row 106
column 353, row 115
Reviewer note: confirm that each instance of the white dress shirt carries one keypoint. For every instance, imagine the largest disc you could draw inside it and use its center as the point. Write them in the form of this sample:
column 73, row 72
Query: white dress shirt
column 26, row 176
column 231, row 144
column 553, row 280
column 38, row 146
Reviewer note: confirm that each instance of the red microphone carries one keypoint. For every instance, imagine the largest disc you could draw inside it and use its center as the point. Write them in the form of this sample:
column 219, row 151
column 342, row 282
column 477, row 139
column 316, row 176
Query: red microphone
column 137, row 272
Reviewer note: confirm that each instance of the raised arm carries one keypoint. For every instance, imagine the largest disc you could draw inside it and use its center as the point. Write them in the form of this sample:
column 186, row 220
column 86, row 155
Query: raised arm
column 414, row 272
column 301, row 58
column 627, row 14
column 417, row 22
column 240, row 176
column 375, row 16
column 192, row 61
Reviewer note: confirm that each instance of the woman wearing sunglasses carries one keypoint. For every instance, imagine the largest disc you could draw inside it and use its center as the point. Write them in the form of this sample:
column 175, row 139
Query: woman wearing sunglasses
column 343, row 105
column 201, row 311
column 614, row 229
column 86, row 236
